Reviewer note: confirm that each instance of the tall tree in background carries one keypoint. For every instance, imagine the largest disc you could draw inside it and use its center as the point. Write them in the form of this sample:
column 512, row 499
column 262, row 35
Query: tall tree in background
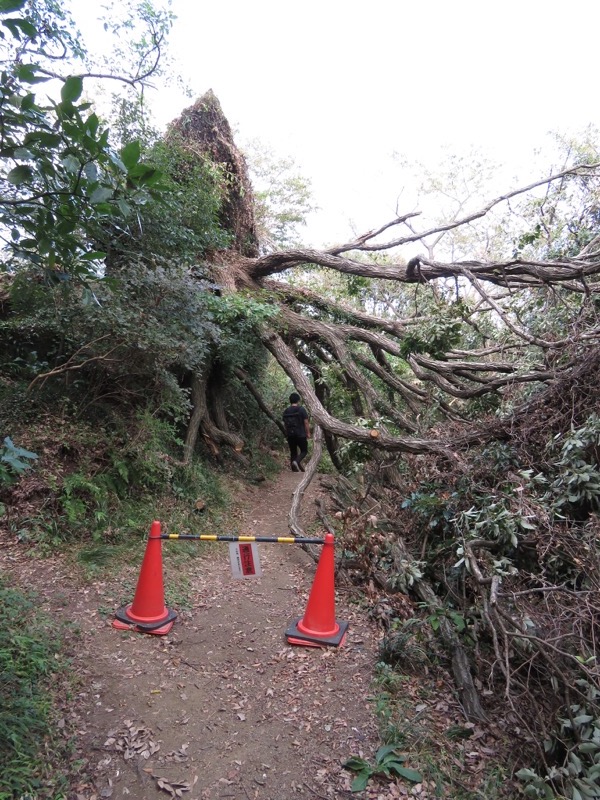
column 282, row 197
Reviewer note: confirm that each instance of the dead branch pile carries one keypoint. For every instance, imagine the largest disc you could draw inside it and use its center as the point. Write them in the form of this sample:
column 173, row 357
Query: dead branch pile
column 519, row 620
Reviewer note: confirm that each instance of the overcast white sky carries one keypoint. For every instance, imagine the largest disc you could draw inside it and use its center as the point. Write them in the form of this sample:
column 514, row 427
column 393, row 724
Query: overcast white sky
column 342, row 85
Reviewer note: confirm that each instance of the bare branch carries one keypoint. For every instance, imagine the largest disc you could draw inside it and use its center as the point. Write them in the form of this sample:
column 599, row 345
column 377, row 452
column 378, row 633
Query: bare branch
column 71, row 364
column 582, row 169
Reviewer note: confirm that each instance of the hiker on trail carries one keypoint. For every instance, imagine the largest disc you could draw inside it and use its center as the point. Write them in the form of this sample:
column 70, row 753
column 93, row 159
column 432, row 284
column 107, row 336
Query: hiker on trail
column 297, row 430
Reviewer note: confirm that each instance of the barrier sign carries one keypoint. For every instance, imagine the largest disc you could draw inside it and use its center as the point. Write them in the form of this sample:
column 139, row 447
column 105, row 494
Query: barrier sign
column 245, row 562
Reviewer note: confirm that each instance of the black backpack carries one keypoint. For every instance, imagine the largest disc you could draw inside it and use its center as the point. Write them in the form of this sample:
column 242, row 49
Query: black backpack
column 293, row 421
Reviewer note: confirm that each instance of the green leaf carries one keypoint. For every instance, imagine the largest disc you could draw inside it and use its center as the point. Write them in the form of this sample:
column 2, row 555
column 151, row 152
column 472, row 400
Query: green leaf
column 44, row 245
column 22, row 153
column 19, row 175
column 44, row 138
column 526, row 774
column 28, row 102
column 143, row 174
column 588, row 747
column 130, row 154
column 27, row 27
column 356, row 764
column 10, row 25
column 22, row 25
column 27, row 73
column 409, row 774
column 91, row 172
column 16, row 464
column 100, row 195
column 458, row 620
column 114, row 158
column 8, row 6
column 93, row 255
column 92, row 123
column 71, row 164
column 360, row 782
column 13, row 456
column 581, row 719
column 72, row 89
column 385, row 751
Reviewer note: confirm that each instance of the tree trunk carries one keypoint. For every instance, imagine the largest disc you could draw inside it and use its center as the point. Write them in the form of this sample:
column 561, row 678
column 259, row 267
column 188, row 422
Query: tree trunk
column 197, row 415
column 200, row 421
column 461, row 669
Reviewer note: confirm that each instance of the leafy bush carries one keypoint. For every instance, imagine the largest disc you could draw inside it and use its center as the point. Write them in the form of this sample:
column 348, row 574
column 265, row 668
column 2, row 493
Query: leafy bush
column 577, row 776
column 577, row 483
column 496, row 522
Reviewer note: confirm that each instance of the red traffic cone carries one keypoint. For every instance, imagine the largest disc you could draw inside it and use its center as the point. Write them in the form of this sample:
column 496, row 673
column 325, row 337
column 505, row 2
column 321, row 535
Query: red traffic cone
column 147, row 613
column 318, row 626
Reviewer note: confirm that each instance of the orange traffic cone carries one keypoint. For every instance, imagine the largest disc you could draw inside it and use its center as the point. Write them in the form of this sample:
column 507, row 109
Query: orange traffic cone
column 147, row 613
column 318, row 625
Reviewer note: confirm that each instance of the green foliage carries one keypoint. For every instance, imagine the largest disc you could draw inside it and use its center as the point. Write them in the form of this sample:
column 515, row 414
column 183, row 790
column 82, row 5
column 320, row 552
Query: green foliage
column 404, row 646
column 237, row 317
column 134, row 334
column 388, row 763
column 129, row 468
column 437, row 756
column 130, row 40
column 61, row 182
column 103, row 482
column 183, row 222
column 14, row 461
column 431, row 506
column 495, row 522
column 27, row 661
column 576, row 484
column 458, row 620
column 240, row 308
column 435, row 336
column 577, row 776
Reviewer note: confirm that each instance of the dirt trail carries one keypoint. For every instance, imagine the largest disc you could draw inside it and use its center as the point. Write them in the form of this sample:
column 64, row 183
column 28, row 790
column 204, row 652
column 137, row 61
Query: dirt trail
column 222, row 707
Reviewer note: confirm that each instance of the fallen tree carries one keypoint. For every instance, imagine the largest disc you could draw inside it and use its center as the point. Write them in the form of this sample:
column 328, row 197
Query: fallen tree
column 392, row 367
column 433, row 366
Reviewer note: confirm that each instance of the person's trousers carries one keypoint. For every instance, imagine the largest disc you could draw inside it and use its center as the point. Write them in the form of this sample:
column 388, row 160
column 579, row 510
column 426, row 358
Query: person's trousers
column 298, row 448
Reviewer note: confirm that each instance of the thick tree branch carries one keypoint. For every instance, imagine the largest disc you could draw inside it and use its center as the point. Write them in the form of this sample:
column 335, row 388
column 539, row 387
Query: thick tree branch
column 303, row 328
column 311, row 469
column 290, row 365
